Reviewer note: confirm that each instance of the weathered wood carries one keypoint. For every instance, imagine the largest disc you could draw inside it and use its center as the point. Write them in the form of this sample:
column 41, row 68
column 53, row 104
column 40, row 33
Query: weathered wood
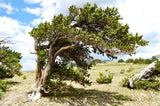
column 143, row 75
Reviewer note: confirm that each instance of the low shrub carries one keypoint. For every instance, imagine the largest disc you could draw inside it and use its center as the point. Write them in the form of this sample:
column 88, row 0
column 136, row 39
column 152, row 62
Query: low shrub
column 24, row 77
column 146, row 84
column 122, row 97
column 1, row 93
column 120, row 61
column 122, row 71
column 142, row 84
column 3, row 86
column 104, row 79
column 124, row 82
column 106, row 70
column 130, row 69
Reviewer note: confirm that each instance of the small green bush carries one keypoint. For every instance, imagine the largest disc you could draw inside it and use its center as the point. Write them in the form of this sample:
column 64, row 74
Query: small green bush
column 130, row 69
column 24, row 77
column 1, row 93
column 124, row 82
column 106, row 70
column 104, row 79
column 122, row 97
column 147, row 84
column 153, row 83
column 122, row 71
column 3, row 86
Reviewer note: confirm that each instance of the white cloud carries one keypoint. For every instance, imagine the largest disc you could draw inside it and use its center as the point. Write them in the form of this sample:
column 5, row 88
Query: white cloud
column 8, row 7
column 36, row 21
column 32, row 1
column 35, row 11
column 49, row 8
column 142, row 17
column 19, row 33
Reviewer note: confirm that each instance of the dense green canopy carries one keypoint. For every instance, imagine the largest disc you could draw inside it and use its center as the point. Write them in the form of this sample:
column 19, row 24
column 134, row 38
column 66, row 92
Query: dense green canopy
column 9, row 62
column 71, row 37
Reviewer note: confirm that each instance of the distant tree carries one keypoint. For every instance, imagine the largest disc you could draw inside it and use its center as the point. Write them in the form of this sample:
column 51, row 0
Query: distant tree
column 69, row 38
column 138, row 61
column 95, row 61
column 129, row 61
column 154, row 58
column 9, row 64
column 9, row 61
column 147, row 61
column 120, row 61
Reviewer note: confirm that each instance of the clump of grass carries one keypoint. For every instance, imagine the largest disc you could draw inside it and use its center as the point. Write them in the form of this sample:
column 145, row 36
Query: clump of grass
column 106, row 70
column 24, row 77
column 130, row 69
column 3, row 86
column 125, row 82
column 122, row 97
column 122, row 71
column 104, row 79
column 1, row 93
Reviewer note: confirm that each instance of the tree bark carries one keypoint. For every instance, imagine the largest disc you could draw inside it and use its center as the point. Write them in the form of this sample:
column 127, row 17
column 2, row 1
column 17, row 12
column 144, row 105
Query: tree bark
column 143, row 75
column 41, row 78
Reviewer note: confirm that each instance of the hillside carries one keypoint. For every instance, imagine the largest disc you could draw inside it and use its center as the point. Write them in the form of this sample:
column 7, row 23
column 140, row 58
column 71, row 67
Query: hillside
column 96, row 94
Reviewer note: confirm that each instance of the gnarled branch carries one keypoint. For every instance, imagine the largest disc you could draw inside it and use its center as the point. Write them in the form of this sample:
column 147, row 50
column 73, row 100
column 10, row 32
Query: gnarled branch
column 64, row 48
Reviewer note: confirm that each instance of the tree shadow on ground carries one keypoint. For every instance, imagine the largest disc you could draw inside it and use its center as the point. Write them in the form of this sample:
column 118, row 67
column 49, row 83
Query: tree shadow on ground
column 12, row 82
column 89, row 97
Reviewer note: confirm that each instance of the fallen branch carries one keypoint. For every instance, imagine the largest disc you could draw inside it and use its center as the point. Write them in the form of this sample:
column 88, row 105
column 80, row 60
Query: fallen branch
column 143, row 75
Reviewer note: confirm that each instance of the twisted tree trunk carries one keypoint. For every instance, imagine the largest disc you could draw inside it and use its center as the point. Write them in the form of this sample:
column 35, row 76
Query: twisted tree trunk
column 41, row 78
column 143, row 75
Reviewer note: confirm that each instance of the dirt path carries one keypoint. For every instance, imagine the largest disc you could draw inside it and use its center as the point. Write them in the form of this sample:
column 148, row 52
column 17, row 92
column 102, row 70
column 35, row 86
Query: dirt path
column 18, row 90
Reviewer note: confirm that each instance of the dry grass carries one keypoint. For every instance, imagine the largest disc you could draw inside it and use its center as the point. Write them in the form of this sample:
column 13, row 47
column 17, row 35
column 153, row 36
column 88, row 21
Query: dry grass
column 96, row 94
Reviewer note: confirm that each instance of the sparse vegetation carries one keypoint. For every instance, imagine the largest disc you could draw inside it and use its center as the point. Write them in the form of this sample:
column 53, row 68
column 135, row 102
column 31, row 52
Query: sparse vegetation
column 130, row 69
column 24, row 77
column 96, row 94
column 141, row 60
column 104, row 79
column 3, row 87
column 147, row 84
column 122, row 97
column 122, row 71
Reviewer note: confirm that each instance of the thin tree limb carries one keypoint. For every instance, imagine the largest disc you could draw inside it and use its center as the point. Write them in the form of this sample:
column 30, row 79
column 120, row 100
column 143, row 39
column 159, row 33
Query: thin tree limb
column 64, row 48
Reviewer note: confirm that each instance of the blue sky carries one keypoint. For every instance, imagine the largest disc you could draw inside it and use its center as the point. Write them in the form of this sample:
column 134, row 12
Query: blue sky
column 18, row 17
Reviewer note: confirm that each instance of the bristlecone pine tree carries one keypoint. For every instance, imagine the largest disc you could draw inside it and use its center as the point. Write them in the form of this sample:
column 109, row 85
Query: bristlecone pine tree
column 9, row 60
column 70, row 38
